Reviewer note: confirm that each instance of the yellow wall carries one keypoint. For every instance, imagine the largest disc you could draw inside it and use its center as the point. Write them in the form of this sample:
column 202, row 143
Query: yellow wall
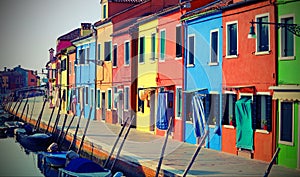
column 64, row 83
column 147, row 71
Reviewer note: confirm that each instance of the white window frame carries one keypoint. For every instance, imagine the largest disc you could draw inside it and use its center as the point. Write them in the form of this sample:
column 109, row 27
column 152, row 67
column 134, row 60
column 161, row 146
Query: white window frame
column 188, row 53
column 128, row 96
column 280, row 37
column 176, row 105
column 227, row 39
column 113, row 97
column 127, row 41
column 245, row 94
column 160, row 58
column 256, row 32
column 218, row 48
column 293, row 122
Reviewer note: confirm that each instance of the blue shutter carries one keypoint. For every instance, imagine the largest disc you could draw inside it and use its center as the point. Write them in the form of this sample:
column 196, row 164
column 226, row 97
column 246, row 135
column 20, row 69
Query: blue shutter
column 269, row 112
column 225, row 107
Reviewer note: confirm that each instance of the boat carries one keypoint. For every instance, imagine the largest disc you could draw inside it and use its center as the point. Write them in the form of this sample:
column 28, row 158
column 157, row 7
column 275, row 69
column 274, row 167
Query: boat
column 35, row 142
column 12, row 125
column 80, row 167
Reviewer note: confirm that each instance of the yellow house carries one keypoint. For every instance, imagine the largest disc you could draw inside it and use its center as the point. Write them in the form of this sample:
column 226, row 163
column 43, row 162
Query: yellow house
column 147, row 73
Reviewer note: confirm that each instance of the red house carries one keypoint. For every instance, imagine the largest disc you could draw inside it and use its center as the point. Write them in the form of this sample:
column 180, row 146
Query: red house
column 249, row 68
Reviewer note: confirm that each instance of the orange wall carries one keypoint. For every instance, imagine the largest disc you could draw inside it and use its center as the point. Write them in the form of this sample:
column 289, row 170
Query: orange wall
column 229, row 140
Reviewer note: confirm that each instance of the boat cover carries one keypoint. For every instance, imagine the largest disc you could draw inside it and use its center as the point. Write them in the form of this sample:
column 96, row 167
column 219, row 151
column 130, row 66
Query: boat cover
column 82, row 165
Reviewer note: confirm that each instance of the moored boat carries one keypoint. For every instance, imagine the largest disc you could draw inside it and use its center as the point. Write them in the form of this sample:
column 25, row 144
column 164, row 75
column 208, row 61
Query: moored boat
column 35, row 142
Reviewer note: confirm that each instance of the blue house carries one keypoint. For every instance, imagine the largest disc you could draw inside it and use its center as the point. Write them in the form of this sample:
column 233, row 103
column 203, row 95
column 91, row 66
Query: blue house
column 85, row 75
column 203, row 76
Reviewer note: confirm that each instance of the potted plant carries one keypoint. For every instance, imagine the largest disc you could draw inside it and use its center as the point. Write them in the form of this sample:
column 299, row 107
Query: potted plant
column 264, row 122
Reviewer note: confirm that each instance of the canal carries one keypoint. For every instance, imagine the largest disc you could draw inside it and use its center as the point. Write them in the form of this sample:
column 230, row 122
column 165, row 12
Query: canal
column 15, row 161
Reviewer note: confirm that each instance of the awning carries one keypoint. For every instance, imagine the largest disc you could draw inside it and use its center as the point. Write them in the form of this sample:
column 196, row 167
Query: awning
column 238, row 87
column 198, row 90
column 286, row 92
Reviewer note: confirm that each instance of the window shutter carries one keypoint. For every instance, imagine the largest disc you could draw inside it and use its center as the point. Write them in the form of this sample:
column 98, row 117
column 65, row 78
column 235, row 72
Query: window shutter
column 254, row 111
column 207, row 107
column 217, row 108
column 258, row 112
column 225, row 107
column 233, row 116
column 269, row 113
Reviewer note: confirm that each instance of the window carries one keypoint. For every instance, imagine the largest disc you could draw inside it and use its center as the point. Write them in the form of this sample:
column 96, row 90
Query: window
column 127, row 53
column 104, row 11
column 70, row 68
column 262, row 40
column 81, row 56
column 86, row 95
column 142, row 50
column 115, row 97
column 32, row 80
column 287, row 38
column 178, row 41
column 115, row 56
column 286, row 130
column 162, row 45
column 140, row 102
column 231, row 39
column 178, row 102
column 212, row 108
column 214, row 41
column 98, row 98
column 126, row 98
column 87, row 55
column 92, row 97
column 99, row 51
column 109, row 101
column 153, row 47
column 107, row 51
column 191, row 50
column 262, row 112
column 228, row 101
column 63, row 65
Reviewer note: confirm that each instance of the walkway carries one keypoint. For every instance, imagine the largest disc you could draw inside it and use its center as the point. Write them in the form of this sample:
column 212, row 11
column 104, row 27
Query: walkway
column 140, row 154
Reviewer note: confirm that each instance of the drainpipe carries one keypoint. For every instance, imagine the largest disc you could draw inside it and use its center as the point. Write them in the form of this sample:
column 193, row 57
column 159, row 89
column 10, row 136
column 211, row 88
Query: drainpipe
column 95, row 89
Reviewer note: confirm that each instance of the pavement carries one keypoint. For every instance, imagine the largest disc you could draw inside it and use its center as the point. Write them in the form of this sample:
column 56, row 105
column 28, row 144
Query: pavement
column 141, row 151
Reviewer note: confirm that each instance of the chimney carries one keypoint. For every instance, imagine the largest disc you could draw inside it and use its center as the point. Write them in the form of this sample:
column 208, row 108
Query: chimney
column 5, row 68
column 19, row 66
column 51, row 54
column 85, row 29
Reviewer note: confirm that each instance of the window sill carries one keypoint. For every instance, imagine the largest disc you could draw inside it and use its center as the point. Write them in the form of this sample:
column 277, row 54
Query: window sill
column 190, row 65
column 262, row 53
column 228, row 126
column 126, row 65
column 231, row 56
column 115, row 67
column 178, row 118
column 213, row 64
column 212, row 126
column 161, row 61
column 287, row 58
column 286, row 143
column 152, row 61
column 141, row 63
column 262, row 131
column 178, row 58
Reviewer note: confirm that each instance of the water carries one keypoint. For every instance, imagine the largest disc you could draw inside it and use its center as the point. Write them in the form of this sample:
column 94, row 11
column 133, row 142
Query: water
column 15, row 161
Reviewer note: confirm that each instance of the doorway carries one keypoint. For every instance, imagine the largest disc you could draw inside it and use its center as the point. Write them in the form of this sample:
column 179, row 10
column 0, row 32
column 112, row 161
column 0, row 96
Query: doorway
column 103, row 108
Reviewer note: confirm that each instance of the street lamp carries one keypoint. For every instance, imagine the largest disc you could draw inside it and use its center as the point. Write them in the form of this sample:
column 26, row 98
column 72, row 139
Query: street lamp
column 293, row 28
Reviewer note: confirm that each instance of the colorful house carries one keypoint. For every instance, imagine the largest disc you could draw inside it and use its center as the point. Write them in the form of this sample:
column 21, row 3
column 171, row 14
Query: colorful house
column 287, row 90
column 85, row 73
column 72, row 100
column 249, row 69
column 203, row 72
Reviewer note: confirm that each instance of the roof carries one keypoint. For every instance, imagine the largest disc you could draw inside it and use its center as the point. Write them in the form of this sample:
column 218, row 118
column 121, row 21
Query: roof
column 128, row 1
column 82, row 38
column 70, row 35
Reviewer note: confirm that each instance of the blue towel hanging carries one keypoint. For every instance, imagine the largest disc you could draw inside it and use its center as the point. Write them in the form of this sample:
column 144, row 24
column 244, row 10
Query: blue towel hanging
column 198, row 115
column 162, row 122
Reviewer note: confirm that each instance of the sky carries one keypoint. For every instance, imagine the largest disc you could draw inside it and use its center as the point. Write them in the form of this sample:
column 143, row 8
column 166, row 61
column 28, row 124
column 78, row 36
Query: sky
column 29, row 28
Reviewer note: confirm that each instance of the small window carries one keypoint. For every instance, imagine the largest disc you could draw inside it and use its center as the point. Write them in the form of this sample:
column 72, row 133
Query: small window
column 178, row 41
column 98, row 98
column 286, row 123
column 86, row 95
column 107, row 51
column 178, row 102
column 104, row 11
column 99, row 51
column 127, row 53
column 115, row 97
column 191, row 48
column 262, row 39
column 212, row 106
column 142, row 50
column 81, row 56
column 88, row 55
column 162, row 45
column 214, row 37
column 126, row 98
column 109, row 101
column 231, row 39
column 287, row 39
column 153, row 47
column 115, row 56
